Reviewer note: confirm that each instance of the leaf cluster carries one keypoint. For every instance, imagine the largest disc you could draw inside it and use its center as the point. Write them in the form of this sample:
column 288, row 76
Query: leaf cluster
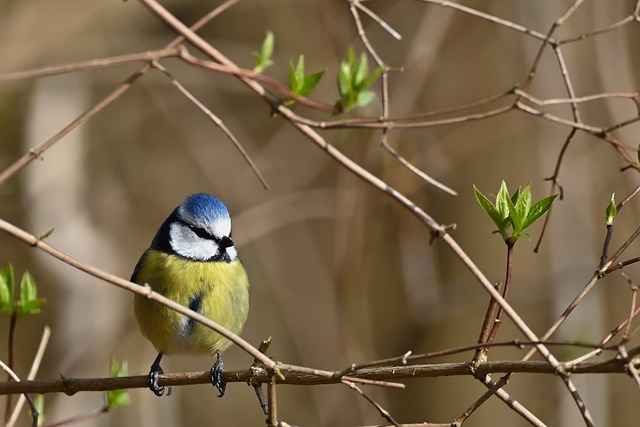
column 513, row 214
column 354, row 78
column 353, row 81
column 28, row 303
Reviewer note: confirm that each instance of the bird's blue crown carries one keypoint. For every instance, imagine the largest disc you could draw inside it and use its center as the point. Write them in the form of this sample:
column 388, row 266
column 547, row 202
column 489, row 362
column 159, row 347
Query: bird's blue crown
column 199, row 210
column 205, row 206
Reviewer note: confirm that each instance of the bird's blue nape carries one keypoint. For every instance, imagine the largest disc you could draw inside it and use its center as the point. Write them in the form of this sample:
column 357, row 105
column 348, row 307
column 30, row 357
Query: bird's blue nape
column 205, row 206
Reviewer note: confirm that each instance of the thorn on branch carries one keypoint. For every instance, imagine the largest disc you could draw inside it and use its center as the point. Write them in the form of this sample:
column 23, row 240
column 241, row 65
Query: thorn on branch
column 441, row 231
column 149, row 291
column 40, row 237
column 35, row 154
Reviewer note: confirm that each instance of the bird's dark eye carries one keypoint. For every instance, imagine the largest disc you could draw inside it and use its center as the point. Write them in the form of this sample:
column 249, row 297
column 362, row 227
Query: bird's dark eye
column 200, row 232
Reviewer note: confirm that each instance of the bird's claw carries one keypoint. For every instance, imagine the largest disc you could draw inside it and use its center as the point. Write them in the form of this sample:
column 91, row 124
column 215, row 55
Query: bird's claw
column 152, row 380
column 216, row 376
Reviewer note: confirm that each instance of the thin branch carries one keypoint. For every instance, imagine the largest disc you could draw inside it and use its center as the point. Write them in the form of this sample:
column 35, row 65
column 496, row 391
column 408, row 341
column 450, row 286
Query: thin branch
column 261, row 78
column 272, row 416
column 383, row 412
column 611, row 27
column 489, row 317
column 35, row 365
column 91, row 64
column 608, row 266
column 215, row 119
column 16, row 380
column 633, row 370
column 610, row 229
column 581, row 99
column 632, row 310
column 404, row 162
column 396, row 35
column 408, row 357
column 487, row 17
column 36, row 153
column 497, row 322
column 495, row 388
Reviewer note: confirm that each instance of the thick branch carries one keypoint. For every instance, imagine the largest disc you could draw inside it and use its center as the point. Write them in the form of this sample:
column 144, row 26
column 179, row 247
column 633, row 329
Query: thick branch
column 260, row 375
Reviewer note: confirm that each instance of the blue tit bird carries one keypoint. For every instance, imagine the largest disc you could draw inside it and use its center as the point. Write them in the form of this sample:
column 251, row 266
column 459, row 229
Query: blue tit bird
column 193, row 261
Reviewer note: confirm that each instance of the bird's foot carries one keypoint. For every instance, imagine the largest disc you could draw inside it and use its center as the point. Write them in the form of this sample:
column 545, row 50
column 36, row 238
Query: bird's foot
column 216, row 376
column 152, row 380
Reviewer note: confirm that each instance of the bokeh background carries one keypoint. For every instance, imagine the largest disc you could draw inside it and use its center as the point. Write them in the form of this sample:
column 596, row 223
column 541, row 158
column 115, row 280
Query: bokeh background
column 340, row 272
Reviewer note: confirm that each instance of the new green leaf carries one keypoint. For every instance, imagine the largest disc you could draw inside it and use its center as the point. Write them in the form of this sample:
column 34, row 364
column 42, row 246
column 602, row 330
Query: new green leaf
column 263, row 57
column 538, row 210
column 523, row 202
column 501, row 200
column 488, row 207
column 611, row 210
column 117, row 398
column 29, row 302
column 300, row 84
column 39, row 403
column 6, row 290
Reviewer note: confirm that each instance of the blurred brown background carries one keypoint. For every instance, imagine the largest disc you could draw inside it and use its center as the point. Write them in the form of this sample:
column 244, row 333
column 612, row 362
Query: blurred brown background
column 340, row 272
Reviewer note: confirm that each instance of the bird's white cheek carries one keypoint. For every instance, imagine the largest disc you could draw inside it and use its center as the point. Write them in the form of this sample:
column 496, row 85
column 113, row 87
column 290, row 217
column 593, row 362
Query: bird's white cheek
column 186, row 244
column 232, row 252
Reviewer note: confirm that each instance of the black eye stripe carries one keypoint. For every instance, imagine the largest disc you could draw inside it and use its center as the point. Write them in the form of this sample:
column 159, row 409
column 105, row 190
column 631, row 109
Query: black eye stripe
column 200, row 232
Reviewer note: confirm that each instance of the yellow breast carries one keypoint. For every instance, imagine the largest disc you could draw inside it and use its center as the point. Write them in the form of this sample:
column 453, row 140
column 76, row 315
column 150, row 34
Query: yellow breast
column 217, row 290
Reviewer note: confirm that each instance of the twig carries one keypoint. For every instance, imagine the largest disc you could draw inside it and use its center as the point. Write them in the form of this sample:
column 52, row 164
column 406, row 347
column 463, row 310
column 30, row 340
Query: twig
column 16, row 380
column 10, row 351
column 35, row 365
column 91, row 64
column 257, row 386
column 608, row 266
column 404, row 162
column 607, row 240
column 396, row 35
column 250, row 74
column 272, row 416
column 496, row 388
column 633, row 371
column 611, row 27
column 82, row 417
column 215, row 119
column 37, row 152
column 383, row 412
column 581, row 99
column 497, row 320
column 489, row 317
column 412, row 358
column 487, row 17
column 632, row 310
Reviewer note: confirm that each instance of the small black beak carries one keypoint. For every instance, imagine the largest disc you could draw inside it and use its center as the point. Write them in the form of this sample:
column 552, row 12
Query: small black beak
column 225, row 242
